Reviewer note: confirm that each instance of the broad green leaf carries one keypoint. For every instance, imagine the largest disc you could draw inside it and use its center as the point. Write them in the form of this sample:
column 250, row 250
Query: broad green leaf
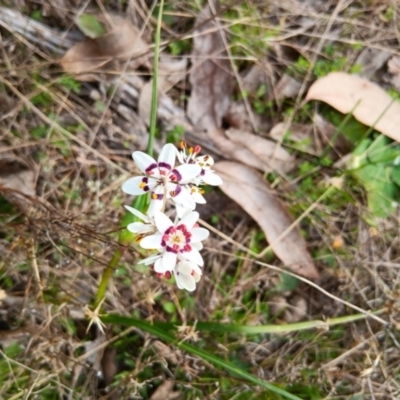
column 372, row 165
column 395, row 174
column 90, row 26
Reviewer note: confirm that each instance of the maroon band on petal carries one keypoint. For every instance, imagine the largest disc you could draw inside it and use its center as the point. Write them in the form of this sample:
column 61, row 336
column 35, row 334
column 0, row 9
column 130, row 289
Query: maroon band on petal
column 151, row 167
column 164, row 165
column 178, row 176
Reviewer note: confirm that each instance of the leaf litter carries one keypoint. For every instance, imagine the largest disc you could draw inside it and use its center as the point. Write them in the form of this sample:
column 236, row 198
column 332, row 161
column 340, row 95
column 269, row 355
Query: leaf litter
column 369, row 250
column 123, row 42
column 367, row 101
column 250, row 190
column 210, row 75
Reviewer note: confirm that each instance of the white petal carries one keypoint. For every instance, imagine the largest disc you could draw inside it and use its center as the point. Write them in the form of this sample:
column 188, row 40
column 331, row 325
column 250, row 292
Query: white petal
column 185, row 281
column 155, row 207
column 138, row 214
column 211, row 178
column 181, row 156
column 151, row 242
column 184, row 266
column 181, row 211
column 189, row 220
column 169, row 260
column 162, row 222
column 198, row 197
column 151, row 259
column 158, row 266
column 133, row 185
column 167, row 155
column 143, row 160
column 194, row 256
column 187, row 172
column 184, row 199
column 197, row 245
column 199, row 234
column 139, row 227
column 197, row 272
column 205, row 161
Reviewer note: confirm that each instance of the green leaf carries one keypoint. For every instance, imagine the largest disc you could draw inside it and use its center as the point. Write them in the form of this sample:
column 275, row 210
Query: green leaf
column 373, row 167
column 287, row 282
column 395, row 174
column 160, row 331
column 90, row 26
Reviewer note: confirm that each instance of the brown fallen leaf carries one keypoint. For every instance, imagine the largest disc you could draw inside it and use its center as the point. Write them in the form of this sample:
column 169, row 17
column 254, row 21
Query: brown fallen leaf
column 109, row 365
column 257, row 152
column 210, row 77
column 164, row 391
column 15, row 174
column 287, row 87
column 171, row 70
column 394, row 69
column 369, row 103
column 295, row 132
column 371, row 60
column 248, row 188
column 123, row 42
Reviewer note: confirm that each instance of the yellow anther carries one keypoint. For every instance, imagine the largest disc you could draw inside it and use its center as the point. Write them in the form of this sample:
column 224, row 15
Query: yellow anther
column 154, row 196
column 190, row 150
column 182, row 145
column 142, row 185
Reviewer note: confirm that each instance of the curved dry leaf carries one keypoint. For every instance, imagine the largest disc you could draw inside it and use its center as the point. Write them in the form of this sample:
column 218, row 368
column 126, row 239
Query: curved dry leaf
column 248, row 188
column 210, row 77
column 171, row 70
column 369, row 103
column 121, row 43
column 254, row 151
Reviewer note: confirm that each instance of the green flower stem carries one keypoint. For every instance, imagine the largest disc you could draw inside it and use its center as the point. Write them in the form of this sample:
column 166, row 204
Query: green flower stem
column 142, row 202
column 154, row 94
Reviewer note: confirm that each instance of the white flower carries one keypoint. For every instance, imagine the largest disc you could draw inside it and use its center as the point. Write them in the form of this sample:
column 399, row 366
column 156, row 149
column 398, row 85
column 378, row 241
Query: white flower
column 196, row 194
column 147, row 226
column 187, row 274
column 180, row 241
column 162, row 180
column 207, row 175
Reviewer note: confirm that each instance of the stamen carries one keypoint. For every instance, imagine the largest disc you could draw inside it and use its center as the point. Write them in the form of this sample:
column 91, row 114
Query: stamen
column 182, row 145
column 197, row 149
column 190, row 150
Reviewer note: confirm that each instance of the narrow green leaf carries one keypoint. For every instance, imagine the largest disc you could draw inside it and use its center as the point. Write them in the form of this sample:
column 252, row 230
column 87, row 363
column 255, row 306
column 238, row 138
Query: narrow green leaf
column 170, row 338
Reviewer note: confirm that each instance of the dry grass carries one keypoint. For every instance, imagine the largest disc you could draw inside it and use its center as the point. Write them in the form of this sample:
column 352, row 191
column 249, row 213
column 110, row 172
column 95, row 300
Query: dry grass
column 54, row 247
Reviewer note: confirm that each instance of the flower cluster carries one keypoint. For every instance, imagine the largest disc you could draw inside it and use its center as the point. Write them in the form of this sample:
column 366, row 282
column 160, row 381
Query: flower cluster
column 176, row 244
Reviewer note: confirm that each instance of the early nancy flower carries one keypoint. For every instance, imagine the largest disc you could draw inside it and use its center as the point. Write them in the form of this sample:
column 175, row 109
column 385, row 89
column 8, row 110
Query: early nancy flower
column 175, row 242
column 162, row 180
column 187, row 274
column 147, row 226
column 190, row 156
